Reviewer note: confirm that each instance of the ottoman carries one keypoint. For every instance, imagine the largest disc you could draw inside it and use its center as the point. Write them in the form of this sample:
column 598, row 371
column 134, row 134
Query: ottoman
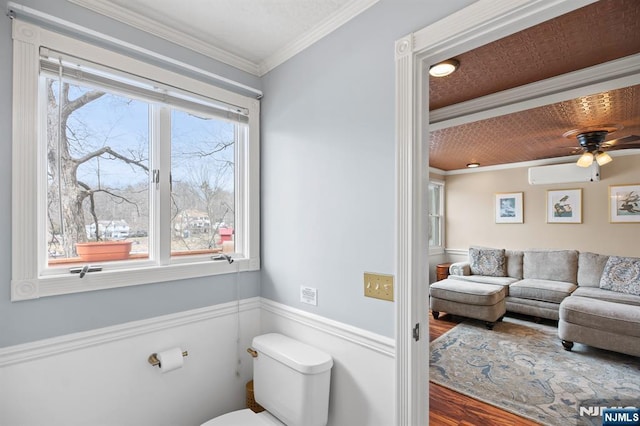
column 468, row 299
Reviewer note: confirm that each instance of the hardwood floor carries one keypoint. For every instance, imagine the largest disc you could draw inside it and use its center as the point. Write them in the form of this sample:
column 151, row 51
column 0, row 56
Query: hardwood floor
column 447, row 407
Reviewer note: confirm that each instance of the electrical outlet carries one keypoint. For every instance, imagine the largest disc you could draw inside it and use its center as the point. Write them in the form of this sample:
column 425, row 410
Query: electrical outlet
column 379, row 286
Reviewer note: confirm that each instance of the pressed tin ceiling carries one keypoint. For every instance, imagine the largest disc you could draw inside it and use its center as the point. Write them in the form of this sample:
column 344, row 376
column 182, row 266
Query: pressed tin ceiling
column 592, row 35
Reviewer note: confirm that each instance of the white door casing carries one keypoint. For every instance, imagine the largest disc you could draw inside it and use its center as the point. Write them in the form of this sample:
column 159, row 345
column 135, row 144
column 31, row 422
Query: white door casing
column 478, row 24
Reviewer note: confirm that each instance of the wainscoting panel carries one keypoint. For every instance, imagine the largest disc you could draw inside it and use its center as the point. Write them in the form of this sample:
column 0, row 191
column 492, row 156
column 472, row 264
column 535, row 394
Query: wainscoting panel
column 102, row 377
column 363, row 374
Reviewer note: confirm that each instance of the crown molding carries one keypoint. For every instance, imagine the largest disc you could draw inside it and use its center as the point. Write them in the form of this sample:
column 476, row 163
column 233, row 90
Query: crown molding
column 535, row 163
column 151, row 26
column 321, row 30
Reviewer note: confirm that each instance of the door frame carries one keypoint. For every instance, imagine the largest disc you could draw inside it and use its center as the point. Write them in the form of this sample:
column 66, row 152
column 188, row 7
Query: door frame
column 480, row 23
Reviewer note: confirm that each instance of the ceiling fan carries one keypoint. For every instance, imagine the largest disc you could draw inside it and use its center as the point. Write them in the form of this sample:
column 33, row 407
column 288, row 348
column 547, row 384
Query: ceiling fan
column 593, row 146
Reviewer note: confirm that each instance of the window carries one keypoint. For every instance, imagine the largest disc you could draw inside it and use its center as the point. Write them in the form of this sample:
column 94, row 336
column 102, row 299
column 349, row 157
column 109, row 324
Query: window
column 155, row 170
column 436, row 217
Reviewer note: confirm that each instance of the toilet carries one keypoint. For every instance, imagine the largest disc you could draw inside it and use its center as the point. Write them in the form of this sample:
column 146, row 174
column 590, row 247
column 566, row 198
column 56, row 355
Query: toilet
column 290, row 380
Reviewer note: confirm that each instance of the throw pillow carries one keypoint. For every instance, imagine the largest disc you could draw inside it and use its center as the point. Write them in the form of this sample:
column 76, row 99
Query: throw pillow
column 487, row 261
column 621, row 274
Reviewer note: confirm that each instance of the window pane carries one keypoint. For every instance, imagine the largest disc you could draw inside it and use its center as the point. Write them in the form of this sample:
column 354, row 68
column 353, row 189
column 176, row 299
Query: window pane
column 203, row 183
column 434, row 199
column 97, row 172
column 434, row 231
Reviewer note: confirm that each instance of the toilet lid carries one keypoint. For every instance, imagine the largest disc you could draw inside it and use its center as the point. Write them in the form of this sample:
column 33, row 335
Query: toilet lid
column 244, row 417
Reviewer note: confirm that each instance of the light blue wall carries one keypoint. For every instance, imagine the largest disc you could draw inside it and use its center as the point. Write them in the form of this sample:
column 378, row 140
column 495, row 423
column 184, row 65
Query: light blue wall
column 328, row 161
column 328, row 180
column 53, row 316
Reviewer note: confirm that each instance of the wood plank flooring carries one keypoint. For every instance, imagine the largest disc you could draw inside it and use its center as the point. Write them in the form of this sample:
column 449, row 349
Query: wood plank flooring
column 447, row 407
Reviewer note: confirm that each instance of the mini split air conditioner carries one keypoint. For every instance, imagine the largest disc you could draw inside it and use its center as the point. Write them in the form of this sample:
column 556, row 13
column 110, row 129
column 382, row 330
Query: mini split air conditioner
column 563, row 173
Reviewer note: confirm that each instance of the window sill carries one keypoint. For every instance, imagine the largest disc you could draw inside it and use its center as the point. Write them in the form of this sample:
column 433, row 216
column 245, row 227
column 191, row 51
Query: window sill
column 76, row 261
column 45, row 286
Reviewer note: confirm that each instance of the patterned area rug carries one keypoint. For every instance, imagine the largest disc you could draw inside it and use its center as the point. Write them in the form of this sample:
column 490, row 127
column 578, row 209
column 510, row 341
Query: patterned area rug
column 521, row 367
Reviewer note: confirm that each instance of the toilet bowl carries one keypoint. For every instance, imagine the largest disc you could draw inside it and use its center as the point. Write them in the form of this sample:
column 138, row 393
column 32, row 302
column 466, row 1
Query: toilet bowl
column 245, row 417
column 291, row 381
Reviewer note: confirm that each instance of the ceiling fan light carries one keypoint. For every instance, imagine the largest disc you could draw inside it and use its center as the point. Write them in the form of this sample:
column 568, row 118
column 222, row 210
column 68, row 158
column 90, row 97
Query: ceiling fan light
column 603, row 158
column 444, row 68
column 585, row 160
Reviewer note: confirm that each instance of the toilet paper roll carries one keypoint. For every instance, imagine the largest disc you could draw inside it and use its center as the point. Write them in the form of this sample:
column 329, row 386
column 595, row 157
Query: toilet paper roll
column 170, row 359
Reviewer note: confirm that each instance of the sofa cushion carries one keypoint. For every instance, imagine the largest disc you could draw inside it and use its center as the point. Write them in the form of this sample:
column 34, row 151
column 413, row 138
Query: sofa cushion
column 504, row 281
column 616, row 318
column 621, row 274
column 556, row 265
column 469, row 293
column 590, row 267
column 608, row 295
column 487, row 261
column 514, row 263
column 545, row 290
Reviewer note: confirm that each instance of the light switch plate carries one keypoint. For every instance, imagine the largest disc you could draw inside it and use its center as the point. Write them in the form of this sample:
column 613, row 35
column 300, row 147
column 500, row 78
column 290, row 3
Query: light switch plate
column 379, row 286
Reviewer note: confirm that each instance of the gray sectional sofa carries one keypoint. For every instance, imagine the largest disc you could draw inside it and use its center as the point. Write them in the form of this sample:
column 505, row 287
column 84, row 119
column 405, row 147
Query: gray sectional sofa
column 594, row 297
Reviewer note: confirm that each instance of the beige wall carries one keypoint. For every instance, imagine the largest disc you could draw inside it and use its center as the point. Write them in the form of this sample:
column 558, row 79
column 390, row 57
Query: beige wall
column 470, row 213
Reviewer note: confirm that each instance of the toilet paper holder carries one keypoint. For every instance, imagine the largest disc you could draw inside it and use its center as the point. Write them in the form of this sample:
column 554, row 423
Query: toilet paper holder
column 154, row 361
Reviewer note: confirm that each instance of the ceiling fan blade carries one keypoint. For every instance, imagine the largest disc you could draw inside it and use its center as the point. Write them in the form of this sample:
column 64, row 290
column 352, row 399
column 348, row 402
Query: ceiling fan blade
column 622, row 143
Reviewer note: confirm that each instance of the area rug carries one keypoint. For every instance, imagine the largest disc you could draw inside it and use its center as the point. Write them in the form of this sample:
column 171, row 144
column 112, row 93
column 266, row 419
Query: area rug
column 521, row 367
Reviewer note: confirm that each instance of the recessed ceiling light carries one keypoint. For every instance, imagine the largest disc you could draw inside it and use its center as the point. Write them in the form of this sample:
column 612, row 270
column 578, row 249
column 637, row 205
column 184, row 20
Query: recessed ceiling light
column 444, row 68
column 473, row 165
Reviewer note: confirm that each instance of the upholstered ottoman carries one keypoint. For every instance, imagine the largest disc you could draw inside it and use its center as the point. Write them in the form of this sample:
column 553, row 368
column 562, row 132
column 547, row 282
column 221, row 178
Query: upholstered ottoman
column 468, row 299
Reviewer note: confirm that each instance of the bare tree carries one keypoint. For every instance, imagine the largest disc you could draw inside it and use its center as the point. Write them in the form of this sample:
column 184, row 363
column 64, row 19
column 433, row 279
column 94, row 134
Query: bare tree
column 63, row 162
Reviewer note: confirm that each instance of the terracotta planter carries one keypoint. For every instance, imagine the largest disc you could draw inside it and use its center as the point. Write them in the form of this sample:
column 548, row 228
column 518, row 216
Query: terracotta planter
column 103, row 250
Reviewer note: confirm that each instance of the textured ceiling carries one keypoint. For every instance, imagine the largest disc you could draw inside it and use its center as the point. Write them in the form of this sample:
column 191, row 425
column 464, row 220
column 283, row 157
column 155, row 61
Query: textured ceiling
column 252, row 35
column 598, row 33
column 253, row 29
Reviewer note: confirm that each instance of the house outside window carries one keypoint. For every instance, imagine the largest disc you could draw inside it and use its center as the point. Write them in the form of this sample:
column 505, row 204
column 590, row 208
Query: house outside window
column 436, row 217
column 125, row 154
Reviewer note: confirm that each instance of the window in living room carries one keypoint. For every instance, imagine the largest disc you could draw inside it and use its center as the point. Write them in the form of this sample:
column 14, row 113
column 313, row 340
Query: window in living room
column 436, row 217
column 117, row 154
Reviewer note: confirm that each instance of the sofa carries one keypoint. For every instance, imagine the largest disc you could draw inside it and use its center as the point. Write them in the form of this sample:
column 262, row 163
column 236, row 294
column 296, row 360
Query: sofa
column 595, row 298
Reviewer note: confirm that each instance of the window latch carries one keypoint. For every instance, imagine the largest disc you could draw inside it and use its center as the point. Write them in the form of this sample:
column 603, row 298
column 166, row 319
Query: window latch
column 83, row 270
column 416, row 332
column 156, row 177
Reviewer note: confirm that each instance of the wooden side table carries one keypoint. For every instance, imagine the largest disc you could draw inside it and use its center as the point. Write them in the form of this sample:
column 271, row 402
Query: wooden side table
column 442, row 271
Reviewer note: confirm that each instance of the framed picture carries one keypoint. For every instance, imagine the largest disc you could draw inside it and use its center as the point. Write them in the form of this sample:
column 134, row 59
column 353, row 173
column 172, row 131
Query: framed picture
column 509, row 207
column 624, row 203
column 564, row 206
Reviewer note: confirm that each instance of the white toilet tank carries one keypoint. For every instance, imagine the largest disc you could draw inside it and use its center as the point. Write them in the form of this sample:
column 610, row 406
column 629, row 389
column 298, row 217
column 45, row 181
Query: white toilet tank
column 291, row 380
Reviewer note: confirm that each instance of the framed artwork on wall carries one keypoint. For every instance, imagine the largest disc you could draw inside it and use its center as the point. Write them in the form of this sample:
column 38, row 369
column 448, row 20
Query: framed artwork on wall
column 624, row 203
column 509, row 207
column 564, row 206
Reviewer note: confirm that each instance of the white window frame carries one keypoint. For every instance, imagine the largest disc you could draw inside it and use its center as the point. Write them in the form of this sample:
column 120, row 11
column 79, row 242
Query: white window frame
column 27, row 280
column 438, row 249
